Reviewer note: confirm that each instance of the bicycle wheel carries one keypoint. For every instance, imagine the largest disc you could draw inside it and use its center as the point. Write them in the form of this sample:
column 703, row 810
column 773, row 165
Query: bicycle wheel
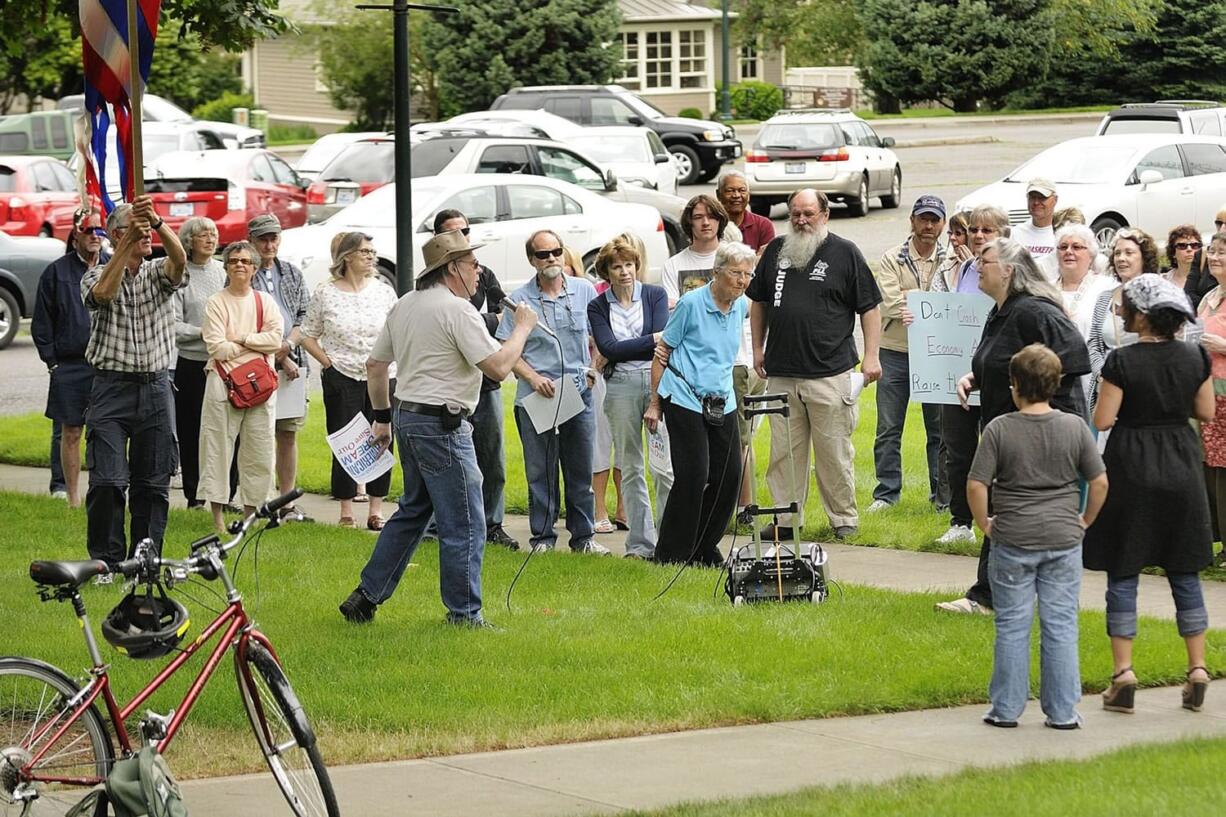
column 34, row 704
column 284, row 734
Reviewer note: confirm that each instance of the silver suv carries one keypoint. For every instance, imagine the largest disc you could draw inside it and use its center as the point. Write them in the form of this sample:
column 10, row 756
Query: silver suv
column 828, row 149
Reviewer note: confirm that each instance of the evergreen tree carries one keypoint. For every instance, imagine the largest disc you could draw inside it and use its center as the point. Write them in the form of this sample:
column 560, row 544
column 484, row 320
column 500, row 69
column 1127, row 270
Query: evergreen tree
column 1184, row 56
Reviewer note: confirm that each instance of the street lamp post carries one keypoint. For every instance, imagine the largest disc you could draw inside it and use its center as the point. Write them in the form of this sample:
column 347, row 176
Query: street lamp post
column 725, row 96
column 402, row 90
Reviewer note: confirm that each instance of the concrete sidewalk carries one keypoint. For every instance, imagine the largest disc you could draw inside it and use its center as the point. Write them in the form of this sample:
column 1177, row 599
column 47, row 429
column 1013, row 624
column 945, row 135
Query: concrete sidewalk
column 657, row 770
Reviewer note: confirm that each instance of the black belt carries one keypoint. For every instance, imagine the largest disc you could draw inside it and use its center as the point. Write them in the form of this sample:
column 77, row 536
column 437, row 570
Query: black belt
column 132, row 377
column 430, row 410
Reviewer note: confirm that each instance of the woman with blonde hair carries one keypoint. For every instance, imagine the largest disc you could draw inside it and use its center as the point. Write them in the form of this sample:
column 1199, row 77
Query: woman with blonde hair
column 627, row 322
column 344, row 319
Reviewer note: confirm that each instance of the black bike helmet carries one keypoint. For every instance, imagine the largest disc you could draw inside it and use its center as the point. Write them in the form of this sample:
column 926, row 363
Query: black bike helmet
column 145, row 625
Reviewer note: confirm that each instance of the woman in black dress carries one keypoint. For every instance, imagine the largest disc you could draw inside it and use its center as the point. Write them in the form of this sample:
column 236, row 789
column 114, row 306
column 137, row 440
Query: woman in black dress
column 1157, row 513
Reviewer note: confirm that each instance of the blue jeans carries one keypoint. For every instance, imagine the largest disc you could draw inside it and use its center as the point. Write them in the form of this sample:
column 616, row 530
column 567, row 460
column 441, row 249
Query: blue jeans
column 1019, row 575
column 893, row 397
column 491, row 457
column 626, row 398
column 440, row 479
column 571, row 447
column 1191, row 617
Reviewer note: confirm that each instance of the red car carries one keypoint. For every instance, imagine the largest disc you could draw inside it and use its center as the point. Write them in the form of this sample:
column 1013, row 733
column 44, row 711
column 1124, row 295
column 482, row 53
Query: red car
column 229, row 186
column 38, row 195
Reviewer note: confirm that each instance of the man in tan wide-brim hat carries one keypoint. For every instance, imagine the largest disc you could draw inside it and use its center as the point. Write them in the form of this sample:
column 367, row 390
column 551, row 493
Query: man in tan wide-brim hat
column 441, row 347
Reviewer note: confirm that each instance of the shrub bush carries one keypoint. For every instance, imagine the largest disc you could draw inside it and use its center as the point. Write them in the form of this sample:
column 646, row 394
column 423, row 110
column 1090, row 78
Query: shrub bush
column 756, row 100
column 690, row 113
column 220, row 109
column 292, row 134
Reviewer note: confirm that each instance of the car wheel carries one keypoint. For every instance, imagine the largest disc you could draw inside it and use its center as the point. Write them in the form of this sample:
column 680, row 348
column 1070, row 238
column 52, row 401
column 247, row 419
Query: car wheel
column 1105, row 229
column 859, row 205
column 45, row 231
column 10, row 317
column 895, row 197
column 688, row 166
column 384, row 271
column 760, row 206
column 589, row 265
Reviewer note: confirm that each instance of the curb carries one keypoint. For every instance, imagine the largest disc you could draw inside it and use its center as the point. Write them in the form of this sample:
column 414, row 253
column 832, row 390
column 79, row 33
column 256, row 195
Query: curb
column 938, row 141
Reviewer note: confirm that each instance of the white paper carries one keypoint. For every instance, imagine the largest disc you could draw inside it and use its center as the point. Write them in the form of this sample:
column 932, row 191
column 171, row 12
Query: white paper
column 291, row 396
column 546, row 413
column 658, row 456
column 356, row 451
column 857, row 385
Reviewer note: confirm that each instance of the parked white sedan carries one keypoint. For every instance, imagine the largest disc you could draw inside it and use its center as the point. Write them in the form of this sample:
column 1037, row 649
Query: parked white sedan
column 1154, row 181
column 503, row 211
column 636, row 155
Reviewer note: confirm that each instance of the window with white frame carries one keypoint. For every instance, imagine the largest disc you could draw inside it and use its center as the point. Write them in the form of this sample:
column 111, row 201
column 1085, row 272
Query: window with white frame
column 748, row 62
column 692, row 58
column 658, row 59
column 631, row 74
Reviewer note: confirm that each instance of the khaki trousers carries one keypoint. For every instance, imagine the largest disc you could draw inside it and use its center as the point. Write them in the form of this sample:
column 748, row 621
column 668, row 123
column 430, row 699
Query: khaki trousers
column 220, row 424
column 824, row 415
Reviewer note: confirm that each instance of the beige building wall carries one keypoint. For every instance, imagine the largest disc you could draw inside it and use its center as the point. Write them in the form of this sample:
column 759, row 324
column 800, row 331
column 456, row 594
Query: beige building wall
column 286, row 84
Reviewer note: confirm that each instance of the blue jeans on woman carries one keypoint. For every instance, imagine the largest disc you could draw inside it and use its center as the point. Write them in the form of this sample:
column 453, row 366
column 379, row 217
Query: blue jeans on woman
column 1191, row 617
column 441, row 478
column 1018, row 575
column 627, row 396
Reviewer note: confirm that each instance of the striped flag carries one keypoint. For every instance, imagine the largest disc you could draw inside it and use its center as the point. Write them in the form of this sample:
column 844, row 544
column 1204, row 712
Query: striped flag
column 104, row 50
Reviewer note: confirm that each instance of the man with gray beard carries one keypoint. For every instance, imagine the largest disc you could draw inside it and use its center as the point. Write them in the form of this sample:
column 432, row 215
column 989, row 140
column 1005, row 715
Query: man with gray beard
column 808, row 287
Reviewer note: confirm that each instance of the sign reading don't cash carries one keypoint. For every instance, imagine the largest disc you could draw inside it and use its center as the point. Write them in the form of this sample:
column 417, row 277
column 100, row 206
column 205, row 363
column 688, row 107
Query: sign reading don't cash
column 941, row 342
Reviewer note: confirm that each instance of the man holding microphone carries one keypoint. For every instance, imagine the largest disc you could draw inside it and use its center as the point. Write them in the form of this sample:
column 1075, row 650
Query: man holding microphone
column 441, row 348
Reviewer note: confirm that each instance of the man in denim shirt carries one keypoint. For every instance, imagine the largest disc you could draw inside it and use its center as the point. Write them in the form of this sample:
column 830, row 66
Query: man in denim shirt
column 560, row 303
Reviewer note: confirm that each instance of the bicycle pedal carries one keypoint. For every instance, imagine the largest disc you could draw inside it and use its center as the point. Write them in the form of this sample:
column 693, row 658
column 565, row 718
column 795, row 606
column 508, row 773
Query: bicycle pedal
column 153, row 726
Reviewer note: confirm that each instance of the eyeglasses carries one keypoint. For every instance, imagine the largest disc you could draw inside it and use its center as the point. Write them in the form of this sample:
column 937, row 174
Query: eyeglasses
column 1073, row 247
column 98, row 231
column 543, row 255
column 1218, row 223
column 368, row 251
column 1187, row 245
column 984, row 230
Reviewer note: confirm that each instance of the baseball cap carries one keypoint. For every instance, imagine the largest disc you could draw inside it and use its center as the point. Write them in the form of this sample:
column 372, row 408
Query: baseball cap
column 1047, row 188
column 263, row 225
column 929, row 204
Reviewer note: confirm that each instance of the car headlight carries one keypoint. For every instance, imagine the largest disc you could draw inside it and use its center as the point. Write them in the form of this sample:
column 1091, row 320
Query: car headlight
column 713, row 135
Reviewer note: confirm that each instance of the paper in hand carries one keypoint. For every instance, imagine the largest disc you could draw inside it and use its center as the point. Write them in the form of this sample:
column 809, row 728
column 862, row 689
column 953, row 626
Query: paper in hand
column 356, row 450
column 546, row 413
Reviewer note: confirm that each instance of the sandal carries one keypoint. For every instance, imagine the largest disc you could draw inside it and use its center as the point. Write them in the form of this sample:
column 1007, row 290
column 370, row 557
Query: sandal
column 1194, row 691
column 621, row 524
column 1119, row 696
column 374, row 522
column 347, row 522
column 604, row 526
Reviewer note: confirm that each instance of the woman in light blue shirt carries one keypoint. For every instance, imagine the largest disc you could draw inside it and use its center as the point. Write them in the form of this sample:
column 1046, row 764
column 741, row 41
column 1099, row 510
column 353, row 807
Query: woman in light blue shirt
column 691, row 380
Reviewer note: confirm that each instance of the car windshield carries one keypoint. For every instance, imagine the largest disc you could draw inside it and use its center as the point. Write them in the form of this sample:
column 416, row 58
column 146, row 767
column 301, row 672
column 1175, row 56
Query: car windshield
column 1118, row 126
column 319, row 154
column 610, row 149
column 1079, row 162
column 363, row 162
column 155, row 146
column 160, row 110
column 642, row 106
column 428, row 158
column 8, row 180
column 799, row 137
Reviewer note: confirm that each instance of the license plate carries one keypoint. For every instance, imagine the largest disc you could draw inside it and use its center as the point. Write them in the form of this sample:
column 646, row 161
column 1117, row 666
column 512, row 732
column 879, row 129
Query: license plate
column 181, row 209
column 346, row 196
column 795, row 167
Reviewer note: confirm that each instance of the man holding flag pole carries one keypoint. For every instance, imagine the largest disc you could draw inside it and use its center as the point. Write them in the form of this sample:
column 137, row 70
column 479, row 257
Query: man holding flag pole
column 130, row 418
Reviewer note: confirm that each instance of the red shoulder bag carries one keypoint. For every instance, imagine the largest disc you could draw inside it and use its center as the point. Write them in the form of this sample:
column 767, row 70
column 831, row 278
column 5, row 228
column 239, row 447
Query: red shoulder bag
column 252, row 383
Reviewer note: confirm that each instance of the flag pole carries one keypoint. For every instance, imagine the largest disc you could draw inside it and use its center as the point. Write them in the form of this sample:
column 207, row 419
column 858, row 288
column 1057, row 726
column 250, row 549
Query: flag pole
column 134, row 99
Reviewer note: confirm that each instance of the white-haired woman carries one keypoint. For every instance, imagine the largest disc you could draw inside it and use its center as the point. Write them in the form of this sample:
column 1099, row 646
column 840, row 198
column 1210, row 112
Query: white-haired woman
column 205, row 278
column 1076, row 249
column 344, row 319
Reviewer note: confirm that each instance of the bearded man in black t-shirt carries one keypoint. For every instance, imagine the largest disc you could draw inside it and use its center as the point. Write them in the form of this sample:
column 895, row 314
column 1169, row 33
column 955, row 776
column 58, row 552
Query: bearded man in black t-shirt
column 807, row 289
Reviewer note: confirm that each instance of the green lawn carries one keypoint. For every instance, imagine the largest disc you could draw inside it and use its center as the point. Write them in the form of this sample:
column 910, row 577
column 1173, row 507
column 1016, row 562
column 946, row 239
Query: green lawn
column 584, row 654
column 1166, row 780
column 911, row 525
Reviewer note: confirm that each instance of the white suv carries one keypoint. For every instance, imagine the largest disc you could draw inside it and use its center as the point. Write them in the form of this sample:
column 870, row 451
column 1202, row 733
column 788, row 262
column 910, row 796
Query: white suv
column 1189, row 116
column 831, row 150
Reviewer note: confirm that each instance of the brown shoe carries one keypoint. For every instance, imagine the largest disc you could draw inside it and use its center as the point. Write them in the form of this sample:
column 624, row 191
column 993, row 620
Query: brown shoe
column 1119, row 696
column 1194, row 691
column 374, row 522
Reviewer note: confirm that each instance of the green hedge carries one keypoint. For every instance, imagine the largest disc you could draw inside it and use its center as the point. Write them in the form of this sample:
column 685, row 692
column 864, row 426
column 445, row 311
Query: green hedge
column 220, row 109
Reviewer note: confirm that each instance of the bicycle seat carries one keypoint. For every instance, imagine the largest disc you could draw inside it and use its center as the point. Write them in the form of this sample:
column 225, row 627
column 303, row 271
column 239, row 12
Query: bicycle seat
column 67, row 573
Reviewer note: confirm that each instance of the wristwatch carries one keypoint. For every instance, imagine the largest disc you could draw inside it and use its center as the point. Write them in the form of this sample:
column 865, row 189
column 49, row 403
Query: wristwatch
column 157, row 226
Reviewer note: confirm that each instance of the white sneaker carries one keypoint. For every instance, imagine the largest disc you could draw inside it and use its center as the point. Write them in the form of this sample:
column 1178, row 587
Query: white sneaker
column 956, row 534
column 879, row 505
column 592, row 547
column 59, row 495
column 964, row 606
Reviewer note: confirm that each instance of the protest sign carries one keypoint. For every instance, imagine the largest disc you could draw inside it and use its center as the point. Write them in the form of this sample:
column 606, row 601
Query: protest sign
column 356, row 451
column 941, row 342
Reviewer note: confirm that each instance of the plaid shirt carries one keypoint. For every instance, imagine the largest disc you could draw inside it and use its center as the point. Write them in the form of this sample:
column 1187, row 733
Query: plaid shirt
column 136, row 331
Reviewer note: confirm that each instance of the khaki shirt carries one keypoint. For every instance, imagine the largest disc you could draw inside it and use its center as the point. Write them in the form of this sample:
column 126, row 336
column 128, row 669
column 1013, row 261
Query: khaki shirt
column 900, row 271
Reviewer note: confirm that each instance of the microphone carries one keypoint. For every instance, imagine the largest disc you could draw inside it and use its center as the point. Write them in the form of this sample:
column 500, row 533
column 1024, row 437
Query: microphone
column 544, row 327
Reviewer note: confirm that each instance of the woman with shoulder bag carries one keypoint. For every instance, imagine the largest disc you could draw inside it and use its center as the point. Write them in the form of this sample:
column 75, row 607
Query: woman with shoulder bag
column 242, row 330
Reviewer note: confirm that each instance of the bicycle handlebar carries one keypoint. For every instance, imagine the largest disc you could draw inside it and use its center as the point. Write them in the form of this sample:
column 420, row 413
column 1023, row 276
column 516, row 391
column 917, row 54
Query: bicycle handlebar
column 269, row 508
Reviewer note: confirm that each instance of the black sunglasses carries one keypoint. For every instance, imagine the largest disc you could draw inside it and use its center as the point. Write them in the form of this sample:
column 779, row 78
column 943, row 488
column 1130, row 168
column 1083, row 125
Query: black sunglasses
column 1187, row 245
column 1218, row 223
column 556, row 252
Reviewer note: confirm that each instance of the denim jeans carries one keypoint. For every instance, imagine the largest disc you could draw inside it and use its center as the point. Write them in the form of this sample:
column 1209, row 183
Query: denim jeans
column 491, row 457
column 893, row 397
column 571, row 447
column 626, row 398
column 1018, row 576
column 1191, row 617
column 440, row 479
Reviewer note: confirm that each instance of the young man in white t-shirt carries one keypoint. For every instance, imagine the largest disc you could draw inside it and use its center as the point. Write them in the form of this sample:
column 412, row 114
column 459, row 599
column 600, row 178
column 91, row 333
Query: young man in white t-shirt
column 704, row 221
column 1037, row 235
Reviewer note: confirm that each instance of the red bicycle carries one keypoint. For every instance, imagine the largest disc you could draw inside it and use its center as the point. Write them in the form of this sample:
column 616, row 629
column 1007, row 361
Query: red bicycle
column 54, row 744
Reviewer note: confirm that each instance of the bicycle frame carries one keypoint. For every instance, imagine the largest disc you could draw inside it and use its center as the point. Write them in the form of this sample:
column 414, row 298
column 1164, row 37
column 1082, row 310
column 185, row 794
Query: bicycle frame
column 236, row 631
